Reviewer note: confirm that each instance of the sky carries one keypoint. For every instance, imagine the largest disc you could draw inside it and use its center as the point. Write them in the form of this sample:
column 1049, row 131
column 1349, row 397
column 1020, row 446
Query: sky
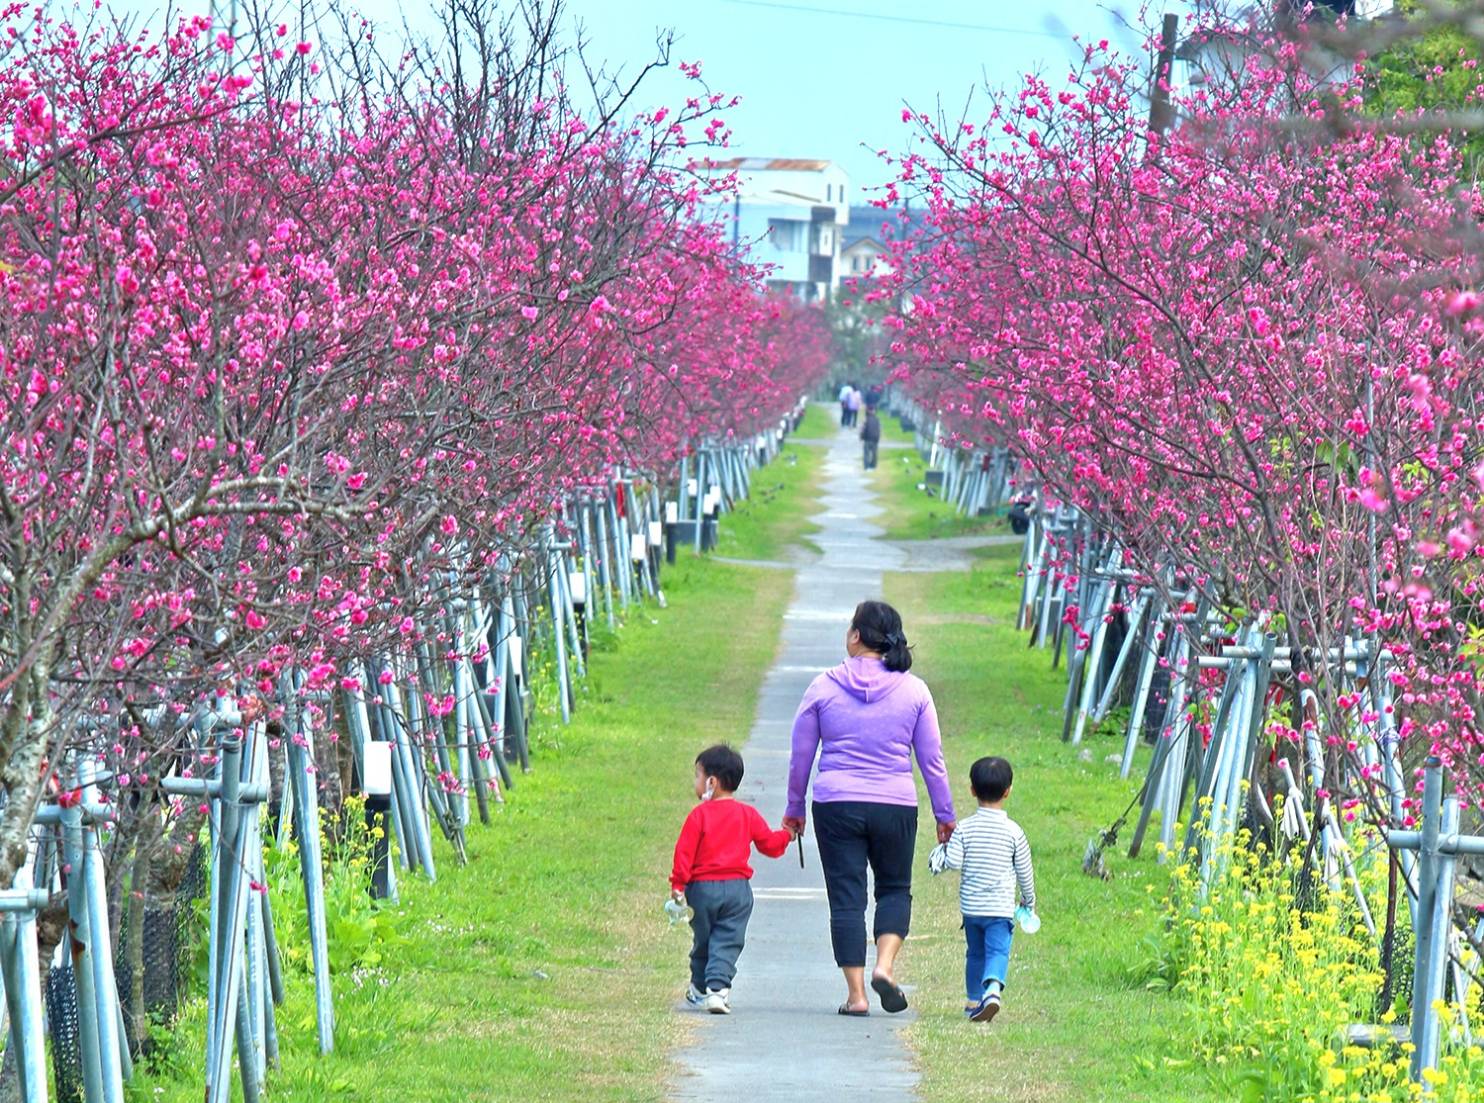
column 829, row 78
column 825, row 78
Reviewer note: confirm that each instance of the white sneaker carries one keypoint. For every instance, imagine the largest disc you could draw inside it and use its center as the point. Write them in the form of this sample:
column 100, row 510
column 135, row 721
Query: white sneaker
column 694, row 997
column 716, row 1001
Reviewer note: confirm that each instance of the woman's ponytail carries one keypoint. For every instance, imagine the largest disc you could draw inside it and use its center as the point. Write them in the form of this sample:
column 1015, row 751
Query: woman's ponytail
column 897, row 656
column 880, row 630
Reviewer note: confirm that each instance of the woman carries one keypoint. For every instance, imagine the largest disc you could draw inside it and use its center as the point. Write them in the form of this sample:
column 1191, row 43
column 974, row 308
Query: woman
column 866, row 719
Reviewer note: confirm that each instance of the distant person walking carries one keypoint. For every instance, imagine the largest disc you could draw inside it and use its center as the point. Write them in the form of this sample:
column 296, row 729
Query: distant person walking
column 865, row 721
column 870, row 437
column 856, row 402
column 845, row 389
column 873, row 396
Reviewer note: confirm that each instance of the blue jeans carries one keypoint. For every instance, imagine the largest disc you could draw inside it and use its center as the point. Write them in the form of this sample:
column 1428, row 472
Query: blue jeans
column 988, row 957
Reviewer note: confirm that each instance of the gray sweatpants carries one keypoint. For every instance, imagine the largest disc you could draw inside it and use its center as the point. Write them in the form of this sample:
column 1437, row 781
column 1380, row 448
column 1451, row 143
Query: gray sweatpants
column 719, row 930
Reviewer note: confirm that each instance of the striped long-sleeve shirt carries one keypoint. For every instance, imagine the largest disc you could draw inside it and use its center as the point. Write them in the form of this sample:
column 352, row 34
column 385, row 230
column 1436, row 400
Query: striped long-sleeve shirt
column 995, row 859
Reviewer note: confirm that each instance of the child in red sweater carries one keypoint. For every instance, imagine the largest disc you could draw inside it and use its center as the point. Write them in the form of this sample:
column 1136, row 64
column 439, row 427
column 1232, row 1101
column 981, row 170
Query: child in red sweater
column 711, row 874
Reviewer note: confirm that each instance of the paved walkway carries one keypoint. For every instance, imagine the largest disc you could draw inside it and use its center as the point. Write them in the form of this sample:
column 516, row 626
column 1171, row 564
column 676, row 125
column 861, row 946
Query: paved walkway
column 783, row 1040
column 884, row 446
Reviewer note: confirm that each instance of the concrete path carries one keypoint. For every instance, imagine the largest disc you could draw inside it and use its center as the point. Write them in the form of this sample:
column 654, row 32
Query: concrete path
column 949, row 553
column 783, row 1040
column 884, row 446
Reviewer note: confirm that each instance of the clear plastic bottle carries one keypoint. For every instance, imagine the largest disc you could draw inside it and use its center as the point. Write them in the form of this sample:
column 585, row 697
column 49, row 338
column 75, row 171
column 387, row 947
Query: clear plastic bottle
column 677, row 911
column 1029, row 921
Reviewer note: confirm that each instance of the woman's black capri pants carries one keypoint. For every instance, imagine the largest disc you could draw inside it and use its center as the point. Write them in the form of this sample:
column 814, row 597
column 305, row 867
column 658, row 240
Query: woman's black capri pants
column 853, row 834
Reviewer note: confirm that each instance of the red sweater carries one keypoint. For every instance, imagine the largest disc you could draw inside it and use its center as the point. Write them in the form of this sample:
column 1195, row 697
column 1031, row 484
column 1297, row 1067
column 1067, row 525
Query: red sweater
column 716, row 842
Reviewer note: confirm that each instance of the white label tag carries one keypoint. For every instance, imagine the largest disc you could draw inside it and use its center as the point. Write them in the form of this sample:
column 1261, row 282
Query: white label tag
column 656, row 534
column 376, row 769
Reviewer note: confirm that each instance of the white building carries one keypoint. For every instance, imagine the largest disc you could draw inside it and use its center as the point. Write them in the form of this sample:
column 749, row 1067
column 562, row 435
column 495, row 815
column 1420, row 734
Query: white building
column 868, row 239
column 864, row 256
column 789, row 214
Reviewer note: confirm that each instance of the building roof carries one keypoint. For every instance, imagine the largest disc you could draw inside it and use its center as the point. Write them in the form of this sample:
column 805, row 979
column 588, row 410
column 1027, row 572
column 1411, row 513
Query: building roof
column 772, row 164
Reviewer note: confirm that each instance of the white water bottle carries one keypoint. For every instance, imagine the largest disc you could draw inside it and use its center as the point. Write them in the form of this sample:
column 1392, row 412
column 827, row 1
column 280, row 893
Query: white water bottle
column 1029, row 921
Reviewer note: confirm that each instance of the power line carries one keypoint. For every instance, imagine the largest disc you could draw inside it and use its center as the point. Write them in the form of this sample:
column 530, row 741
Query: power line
column 809, row 8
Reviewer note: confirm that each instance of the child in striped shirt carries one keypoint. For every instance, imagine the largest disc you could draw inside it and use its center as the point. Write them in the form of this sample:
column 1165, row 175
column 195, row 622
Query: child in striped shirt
column 994, row 858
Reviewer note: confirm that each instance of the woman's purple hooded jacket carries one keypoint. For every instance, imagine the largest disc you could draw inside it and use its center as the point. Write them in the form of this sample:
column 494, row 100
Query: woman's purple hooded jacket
column 866, row 723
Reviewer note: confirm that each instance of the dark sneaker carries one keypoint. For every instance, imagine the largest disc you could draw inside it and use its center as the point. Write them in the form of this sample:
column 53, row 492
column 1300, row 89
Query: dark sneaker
column 987, row 1008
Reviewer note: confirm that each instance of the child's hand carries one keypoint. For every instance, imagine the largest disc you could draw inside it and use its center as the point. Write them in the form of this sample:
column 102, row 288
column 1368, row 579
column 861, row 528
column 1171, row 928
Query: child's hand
column 677, row 895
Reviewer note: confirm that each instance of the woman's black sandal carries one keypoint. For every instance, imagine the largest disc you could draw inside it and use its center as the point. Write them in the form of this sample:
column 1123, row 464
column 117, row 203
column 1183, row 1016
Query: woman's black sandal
column 892, row 998
column 845, row 1010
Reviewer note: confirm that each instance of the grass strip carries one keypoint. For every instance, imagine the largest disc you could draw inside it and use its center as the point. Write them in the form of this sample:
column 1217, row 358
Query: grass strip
column 779, row 513
column 544, row 969
column 1079, row 1022
column 911, row 512
column 820, row 422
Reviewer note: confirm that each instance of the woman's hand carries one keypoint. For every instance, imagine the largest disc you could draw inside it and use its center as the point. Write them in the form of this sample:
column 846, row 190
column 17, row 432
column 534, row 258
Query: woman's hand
column 794, row 824
column 946, row 830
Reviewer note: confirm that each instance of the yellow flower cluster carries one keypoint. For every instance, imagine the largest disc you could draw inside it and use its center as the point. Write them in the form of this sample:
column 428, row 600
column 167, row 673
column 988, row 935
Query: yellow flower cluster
column 1273, row 982
column 359, row 928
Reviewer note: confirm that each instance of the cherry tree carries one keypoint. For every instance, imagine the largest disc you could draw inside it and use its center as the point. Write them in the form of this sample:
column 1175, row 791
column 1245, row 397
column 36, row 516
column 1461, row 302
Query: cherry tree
column 290, row 333
column 1244, row 346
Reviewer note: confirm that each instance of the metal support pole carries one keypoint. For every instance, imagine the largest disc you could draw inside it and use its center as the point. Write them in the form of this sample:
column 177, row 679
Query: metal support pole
column 80, row 941
column 311, row 870
column 1424, row 1019
column 112, row 1047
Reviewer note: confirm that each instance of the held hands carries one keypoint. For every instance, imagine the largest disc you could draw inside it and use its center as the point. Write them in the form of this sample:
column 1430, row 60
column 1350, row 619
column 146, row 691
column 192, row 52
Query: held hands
column 794, row 825
column 946, row 830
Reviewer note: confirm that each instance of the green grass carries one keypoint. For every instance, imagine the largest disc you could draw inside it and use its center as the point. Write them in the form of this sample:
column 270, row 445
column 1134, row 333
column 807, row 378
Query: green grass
column 820, row 422
column 780, row 512
column 544, row 969
column 911, row 513
column 891, row 430
column 1078, row 1023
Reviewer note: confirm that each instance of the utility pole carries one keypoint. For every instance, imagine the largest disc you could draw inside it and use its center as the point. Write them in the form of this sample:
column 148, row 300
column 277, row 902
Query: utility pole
column 1161, row 114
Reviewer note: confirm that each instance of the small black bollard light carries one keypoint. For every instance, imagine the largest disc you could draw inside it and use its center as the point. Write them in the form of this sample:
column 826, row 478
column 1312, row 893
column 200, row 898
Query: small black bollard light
column 655, row 530
column 708, row 531
column 577, row 586
column 376, row 783
column 710, row 511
